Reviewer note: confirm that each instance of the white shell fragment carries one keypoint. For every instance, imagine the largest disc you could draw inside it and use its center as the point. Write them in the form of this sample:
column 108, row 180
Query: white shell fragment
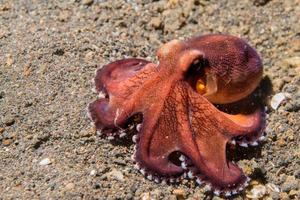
column 93, row 172
column 258, row 191
column 273, row 187
column 277, row 99
column 45, row 161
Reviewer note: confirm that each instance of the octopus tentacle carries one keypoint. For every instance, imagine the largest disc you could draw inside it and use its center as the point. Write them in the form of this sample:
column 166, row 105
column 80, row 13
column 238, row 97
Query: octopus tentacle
column 104, row 115
column 149, row 155
column 116, row 82
column 209, row 162
column 247, row 129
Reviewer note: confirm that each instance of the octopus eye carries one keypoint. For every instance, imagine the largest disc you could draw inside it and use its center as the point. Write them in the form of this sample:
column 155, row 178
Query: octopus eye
column 201, row 86
column 196, row 75
column 200, row 77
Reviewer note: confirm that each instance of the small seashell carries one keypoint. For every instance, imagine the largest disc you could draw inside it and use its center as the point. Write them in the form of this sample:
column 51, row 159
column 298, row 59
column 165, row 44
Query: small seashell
column 258, row 191
column 273, row 187
column 277, row 99
column 93, row 172
column 45, row 161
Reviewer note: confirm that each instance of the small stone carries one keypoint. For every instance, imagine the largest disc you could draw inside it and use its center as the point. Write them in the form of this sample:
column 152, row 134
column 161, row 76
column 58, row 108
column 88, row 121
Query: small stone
column 93, row 172
column 70, row 186
column 42, row 69
column 45, row 161
column 59, row 51
column 9, row 60
column 145, row 196
column 155, row 194
column 293, row 193
column 293, row 62
column 284, row 196
column 297, row 173
column 180, row 193
column 1, row 130
column 89, row 56
column 2, row 94
column 281, row 142
column 155, row 22
column 260, row 2
column 7, row 142
column 272, row 187
column 64, row 16
column 173, row 2
column 8, row 120
column 276, row 100
column 87, row 2
column 274, row 195
column 247, row 166
column 258, row 191
column 2, row 34
column 290, row 184
column 26, row 71
column 116, row 175
column 97, row 186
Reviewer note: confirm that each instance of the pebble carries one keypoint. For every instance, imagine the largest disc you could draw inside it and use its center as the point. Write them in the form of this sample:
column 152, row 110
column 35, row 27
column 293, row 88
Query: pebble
column 155, row 22
column 89, row 56
column 2, row 94
column 293, row 193
column 7, row 142
column 8, row 120
column 293, row 61
column 145, row 196
column 45, row 161
column 180, row 193
column 260, row 2
column 275, row 195
column 116, row 175
column 9, row 60
column 70, row 186
column 26, row 71
column 297, row 173
column 64, row 16
column 284, row 196
column 281, row 142
column 2, row 130
column 93, row 172
column 258, row 191
column 87, row 2
column 42, row 69
column 247, row 166
column 272, row 187
column 276, row 100
column 156, row 194
column 290, row 184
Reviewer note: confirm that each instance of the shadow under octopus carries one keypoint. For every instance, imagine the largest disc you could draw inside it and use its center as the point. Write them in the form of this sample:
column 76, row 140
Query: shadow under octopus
column 177, row 99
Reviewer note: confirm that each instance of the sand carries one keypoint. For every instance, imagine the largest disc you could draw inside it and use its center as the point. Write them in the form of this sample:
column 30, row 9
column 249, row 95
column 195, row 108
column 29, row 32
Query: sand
column 49, row 51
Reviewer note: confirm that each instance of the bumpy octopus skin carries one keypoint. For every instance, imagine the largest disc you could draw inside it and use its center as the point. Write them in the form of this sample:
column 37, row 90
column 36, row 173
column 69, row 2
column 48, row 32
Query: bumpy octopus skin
column 177, row 99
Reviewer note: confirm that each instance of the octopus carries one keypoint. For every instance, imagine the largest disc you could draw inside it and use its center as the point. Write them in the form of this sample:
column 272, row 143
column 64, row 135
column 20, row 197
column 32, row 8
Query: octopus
column 184, row 132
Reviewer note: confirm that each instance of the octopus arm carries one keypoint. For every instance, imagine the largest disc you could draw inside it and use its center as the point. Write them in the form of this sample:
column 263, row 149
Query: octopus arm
column 119, row 85
column 158, row 139
column 246, row 125
column 210, row 140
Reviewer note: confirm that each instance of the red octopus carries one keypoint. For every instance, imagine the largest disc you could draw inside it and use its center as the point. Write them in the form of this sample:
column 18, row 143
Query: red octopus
column 177, row 98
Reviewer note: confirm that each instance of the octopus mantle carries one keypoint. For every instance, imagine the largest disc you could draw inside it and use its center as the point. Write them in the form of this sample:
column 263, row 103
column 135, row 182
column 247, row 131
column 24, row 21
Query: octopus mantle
column 177, row 99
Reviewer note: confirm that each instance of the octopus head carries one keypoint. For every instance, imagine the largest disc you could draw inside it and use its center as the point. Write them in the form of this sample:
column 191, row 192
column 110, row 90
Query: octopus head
column 222, row 68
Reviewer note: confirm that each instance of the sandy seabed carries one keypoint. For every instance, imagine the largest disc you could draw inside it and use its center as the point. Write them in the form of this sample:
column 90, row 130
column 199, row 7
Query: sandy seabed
column 49, row 51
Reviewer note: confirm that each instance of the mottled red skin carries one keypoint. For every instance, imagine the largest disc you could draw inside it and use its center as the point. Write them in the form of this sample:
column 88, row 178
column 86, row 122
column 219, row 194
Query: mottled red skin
column 176, row 118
